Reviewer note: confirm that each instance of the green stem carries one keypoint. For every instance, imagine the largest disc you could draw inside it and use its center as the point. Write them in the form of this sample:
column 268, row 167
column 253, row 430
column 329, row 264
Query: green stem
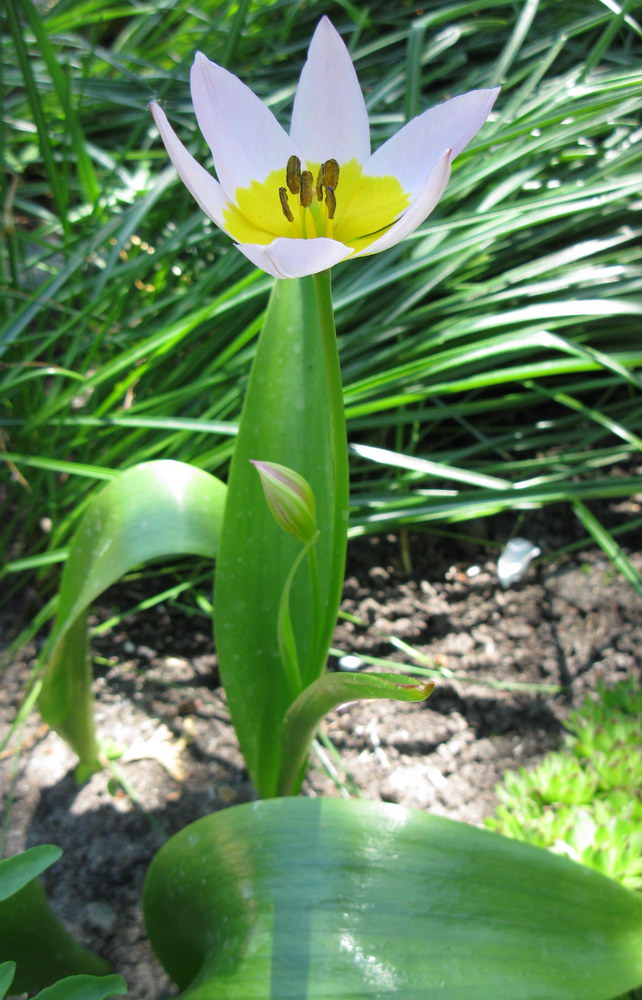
column 286, row 637
column 315, row 582
column 295, row 738
column 339, row 445
column 118, row 776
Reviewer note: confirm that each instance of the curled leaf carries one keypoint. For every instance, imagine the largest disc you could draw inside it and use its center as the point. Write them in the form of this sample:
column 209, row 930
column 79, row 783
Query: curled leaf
column 327, row 692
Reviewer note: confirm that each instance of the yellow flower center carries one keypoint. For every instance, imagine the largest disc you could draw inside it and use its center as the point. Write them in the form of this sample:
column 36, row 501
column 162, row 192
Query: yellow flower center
column 327, row 199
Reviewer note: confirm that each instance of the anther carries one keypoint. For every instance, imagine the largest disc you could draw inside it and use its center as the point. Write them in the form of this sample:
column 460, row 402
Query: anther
column 320, row 184
column 293, row 174
column 307, row 188
column 330, row 201
column 330, row 171
column 283, row 196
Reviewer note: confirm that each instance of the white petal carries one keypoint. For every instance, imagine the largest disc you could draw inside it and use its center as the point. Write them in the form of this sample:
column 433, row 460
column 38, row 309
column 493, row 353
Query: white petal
column 329, row 118
column 417, row 211
column 201, row 185
column 246, row 140
column 285, row 258
column 413, row 151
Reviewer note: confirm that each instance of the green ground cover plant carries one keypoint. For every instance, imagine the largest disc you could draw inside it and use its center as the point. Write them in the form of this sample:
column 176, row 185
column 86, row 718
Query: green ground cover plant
column 585, row 800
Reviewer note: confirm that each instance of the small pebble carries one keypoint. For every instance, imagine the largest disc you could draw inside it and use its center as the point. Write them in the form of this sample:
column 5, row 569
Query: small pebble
column 100, row 917
column 379, row 575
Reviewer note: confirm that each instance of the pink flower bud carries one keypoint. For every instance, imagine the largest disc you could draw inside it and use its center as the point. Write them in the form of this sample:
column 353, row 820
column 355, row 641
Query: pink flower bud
column 290, row 499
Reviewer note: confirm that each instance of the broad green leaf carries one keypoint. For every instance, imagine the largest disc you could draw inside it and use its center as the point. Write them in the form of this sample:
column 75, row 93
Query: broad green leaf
column 16, row 871
column 85, row 988
column 321, row 898
column 292, row 416
column 30, row 933
column 154, row 510
column 7, row 970
column 306, row 712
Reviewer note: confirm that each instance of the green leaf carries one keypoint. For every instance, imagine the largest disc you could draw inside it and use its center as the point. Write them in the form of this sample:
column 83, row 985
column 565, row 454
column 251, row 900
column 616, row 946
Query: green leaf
column 7, row 970
column 605, row 540
column 85, row 988
column 320, row 697
column 292, row 416
column 16, row 871
column 61, row 82
column 154, row 510
column 321, row 898
column 30, row 933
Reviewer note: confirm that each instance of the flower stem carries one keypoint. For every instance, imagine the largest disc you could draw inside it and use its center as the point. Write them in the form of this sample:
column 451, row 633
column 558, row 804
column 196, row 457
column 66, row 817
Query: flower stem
column 315, row 583
column 339, row 444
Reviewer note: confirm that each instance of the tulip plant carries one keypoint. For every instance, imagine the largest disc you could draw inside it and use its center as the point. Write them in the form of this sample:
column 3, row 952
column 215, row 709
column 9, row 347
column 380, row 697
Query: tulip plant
column 293, row 897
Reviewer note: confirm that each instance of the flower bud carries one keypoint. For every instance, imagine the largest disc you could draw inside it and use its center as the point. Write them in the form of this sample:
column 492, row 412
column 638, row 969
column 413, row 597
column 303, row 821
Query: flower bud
column 290, row 499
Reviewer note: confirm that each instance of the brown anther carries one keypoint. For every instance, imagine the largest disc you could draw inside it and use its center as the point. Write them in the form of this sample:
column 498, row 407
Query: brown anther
column 330, row 173
column 330, row 201
column 307, row 188
column 320, row 184
column 293, row 174
column 283, row 196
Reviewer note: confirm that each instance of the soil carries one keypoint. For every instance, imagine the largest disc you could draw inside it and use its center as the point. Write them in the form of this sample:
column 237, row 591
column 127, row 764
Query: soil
column 513, row 662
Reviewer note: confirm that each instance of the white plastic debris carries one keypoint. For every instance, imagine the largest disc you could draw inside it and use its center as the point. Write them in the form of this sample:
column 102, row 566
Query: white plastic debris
column 515, row 560
column 350, row 663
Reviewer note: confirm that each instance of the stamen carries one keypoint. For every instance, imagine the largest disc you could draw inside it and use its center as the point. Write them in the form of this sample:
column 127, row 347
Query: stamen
column 330, row 201
column 330, row 173
column 293, row 174
column 283, row 196
column 302, row 183
column 307, row 188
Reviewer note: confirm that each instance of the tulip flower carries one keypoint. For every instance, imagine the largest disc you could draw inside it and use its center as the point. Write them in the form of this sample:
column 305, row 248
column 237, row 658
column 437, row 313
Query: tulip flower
column 297, row 204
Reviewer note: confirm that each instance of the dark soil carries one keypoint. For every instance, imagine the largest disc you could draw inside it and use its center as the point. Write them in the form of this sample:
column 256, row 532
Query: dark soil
column 519, row 659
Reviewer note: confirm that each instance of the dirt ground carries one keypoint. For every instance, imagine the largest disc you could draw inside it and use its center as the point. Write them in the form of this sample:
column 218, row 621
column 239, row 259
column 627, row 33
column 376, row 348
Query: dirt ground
column 514, row 662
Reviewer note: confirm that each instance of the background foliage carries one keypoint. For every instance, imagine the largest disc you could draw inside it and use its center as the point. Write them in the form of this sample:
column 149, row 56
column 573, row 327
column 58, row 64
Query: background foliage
column 491, row 362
